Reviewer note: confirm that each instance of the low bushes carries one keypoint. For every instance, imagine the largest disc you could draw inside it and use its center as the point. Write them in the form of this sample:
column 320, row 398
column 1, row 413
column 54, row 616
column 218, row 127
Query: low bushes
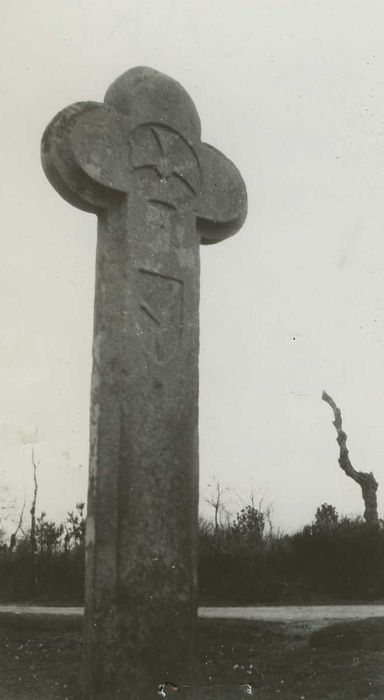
column 331, row 560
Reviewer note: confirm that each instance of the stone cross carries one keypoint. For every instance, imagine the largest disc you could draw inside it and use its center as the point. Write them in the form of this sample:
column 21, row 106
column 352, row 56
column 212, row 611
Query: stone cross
column 137, row 161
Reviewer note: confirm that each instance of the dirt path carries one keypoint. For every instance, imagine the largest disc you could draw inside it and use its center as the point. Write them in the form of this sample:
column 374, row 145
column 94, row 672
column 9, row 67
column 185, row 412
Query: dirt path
column 313, row 616
column 300, row 618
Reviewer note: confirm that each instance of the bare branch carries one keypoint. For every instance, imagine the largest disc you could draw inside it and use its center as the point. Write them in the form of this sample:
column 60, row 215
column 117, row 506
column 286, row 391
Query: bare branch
column 215, row 499
column 19, row 528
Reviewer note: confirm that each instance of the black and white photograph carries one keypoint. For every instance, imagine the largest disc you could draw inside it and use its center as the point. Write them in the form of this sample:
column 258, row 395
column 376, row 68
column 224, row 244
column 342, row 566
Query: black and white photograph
column 192, row 350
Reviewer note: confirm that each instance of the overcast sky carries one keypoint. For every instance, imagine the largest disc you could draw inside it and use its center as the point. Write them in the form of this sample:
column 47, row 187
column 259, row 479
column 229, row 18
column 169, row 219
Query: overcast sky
column 293, row 92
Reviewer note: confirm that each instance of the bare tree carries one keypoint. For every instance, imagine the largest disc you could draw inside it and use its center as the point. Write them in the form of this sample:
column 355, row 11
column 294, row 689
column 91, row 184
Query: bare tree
column 6, row 507
column 19, row 528
column 216, row 500
column 268, row 512
column 33, row 517
column 366, row 481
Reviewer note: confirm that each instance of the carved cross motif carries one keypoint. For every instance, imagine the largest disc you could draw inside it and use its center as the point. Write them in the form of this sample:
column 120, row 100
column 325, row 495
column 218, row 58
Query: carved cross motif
column 138, row 162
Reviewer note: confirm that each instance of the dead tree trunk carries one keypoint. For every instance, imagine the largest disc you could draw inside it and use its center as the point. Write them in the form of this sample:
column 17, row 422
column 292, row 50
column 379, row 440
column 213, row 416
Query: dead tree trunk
column 33, row 522
column 366, row 481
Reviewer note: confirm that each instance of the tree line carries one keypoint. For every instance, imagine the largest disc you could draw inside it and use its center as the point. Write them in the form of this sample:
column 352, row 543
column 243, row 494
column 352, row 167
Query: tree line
column 333, row 559
column 243, row 561
column 45, row 561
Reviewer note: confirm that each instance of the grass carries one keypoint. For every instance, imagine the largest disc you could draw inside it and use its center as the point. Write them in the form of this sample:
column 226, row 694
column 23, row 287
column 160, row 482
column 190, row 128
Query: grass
column 40, row 658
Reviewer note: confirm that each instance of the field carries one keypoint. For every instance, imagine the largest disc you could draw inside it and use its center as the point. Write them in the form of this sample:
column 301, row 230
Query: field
column 40, row 659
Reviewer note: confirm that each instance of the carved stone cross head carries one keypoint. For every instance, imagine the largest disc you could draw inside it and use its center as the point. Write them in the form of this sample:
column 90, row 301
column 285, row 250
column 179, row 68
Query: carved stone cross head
column 145, row 141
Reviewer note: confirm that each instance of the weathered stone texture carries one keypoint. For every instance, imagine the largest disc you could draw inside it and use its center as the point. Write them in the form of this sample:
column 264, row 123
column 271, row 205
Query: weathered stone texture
column 138, row 162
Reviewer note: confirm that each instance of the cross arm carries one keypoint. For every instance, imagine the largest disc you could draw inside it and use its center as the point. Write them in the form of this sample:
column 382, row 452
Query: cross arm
column 222, row 204
column 60, row 163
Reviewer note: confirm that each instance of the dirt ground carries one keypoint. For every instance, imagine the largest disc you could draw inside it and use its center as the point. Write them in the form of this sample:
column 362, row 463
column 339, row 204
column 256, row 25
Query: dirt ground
column 40, row 659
